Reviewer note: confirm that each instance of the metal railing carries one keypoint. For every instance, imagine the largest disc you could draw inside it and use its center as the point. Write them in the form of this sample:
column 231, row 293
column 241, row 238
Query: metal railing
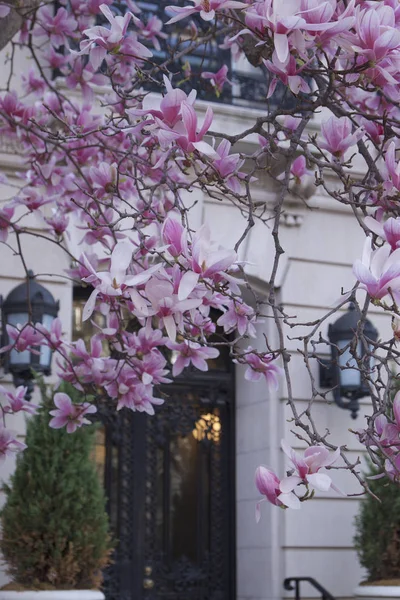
column 293, row 583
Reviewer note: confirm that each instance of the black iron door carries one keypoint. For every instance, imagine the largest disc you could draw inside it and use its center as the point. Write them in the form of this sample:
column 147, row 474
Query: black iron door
column 170, row 485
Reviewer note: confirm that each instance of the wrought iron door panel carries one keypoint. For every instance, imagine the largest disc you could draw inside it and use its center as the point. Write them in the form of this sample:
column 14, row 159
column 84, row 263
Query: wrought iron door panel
column 187, row 534
column 172, row 510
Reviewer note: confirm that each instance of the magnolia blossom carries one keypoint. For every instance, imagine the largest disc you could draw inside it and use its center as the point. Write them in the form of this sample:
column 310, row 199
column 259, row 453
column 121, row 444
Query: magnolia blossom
column 116, row 281
column 379, row 271
column 262, row 366
column 23, row 337
column 166, row 304
column 289, row 73
column 16, row 401
column 101, row 40
column 191, row 352
column 206, row 8
column 268, row 484
column 6, row 214
column 8, row 443
column 238, row 315
column 217, row 79
column 307, row 467
column 388, row 231
column 70, row 415
column 299, row 169
column 339, row 135
column 56, row 27
column 207, row 258
column 131, row 392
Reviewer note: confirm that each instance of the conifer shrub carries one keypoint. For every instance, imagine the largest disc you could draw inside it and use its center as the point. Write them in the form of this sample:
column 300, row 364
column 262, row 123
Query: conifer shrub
column 377, row 538
column 55, row 532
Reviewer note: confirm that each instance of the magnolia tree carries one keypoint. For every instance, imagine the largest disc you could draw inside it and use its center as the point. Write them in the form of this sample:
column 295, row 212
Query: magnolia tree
column 119, row 166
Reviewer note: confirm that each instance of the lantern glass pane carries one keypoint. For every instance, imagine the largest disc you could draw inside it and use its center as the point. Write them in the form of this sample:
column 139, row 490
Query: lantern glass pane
column 45, row 351
column 18, row 358
column 349, row 378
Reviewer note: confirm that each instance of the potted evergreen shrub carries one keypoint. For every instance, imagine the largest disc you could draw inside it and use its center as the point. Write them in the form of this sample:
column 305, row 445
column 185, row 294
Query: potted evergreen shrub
column 55, row 538
column 377, row 540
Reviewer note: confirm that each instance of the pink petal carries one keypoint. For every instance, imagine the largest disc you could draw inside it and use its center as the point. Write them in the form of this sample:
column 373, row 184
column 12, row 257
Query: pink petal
column 396, row 408
column 290, row 500
column 170, row 326
column 63, row 401
column 121, row 258
column 288, row 484
column 90, row 305
column 207, row 16
column 187, row 284
column 281, row 46
column 207, row 122
column 319, row 481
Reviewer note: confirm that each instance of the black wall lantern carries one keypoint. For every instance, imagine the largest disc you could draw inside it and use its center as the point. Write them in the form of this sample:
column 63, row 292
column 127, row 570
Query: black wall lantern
column 348, row 383
column 28, row 302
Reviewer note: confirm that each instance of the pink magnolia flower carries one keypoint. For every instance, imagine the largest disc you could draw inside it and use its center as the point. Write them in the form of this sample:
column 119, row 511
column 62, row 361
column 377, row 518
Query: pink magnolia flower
column 53, row 336
column 168, row 306
column 102, row 40
column 388, row 231
column 104, row 178
column 33, row 83
column 168, row 109
column 268, row 484
column 387, row 432
column 379, row 271
column 392, row 467
column 132, row 393
column 85, row 76
column 58, row 222
column 174, row 234
column 299, row 169
column 116, row 281
column 338, row 135
column 17, row 402
column 55, row 27
column 289, row 73
column 280, row 18
column 376, row 34
column 226, row 165
column 23, row 337
column 8, row 443
column 6, row 214
column 218, row 79
column 261, row 365
column 33, row 199
column 68, row 414
column 208, row 259
column 91, row 366
column 151, row 30
column 307, row 468
column 185, row 133
column 150, row 369
column 191, row 352
column 238, row 315
column 206, row 8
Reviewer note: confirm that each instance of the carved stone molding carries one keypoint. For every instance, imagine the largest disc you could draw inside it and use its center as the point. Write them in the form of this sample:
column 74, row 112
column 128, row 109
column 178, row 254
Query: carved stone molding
column 291, row 219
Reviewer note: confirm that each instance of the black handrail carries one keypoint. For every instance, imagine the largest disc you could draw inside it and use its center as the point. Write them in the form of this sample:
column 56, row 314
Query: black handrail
column 293, row 583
